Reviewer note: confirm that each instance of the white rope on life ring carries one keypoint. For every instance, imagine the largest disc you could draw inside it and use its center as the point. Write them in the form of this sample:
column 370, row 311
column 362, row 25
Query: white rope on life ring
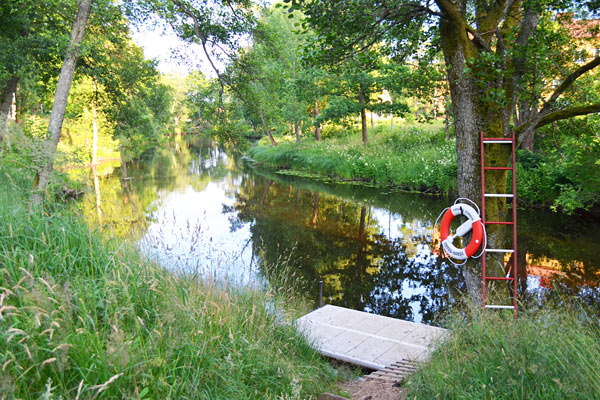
column 472, row 224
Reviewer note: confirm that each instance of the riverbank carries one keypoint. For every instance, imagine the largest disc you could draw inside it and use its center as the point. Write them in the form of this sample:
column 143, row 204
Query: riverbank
column 83, row 315
column 414, row 158
column 170, row 334
column 418, row 157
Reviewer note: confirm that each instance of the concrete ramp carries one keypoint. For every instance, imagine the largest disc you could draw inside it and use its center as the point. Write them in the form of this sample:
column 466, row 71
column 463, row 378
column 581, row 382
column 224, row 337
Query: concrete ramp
column 368, row 340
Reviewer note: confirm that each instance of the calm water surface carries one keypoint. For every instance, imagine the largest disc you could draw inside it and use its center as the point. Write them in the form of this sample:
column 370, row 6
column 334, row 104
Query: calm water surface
column 200, row 209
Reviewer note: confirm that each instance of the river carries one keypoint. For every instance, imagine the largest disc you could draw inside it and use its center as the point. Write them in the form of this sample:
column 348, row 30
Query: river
column 204, row 211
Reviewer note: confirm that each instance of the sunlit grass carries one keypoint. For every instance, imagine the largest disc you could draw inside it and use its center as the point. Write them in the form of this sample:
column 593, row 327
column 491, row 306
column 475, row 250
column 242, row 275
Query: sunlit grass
column 83, row 316
column 414, row 157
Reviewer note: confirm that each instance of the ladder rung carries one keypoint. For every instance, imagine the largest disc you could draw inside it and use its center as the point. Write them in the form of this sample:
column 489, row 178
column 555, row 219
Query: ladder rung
column 499, row 250
column 498, row 168
column 498, row 195
column 498, row 278
column 499, row 222
column 500, row 307
column 497, row 140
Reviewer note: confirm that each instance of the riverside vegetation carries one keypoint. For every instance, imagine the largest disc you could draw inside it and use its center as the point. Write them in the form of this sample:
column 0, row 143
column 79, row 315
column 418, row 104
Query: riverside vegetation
column 84, row 316
column 414, row 158
column 418, row 157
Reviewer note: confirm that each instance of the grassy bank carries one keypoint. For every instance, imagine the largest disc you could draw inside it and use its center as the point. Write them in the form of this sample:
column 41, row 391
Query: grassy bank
column 83, row 316
column 545, row 355
column 416, row 157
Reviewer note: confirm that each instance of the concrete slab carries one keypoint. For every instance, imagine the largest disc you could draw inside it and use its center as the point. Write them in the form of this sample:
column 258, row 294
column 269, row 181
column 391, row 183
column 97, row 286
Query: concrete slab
column 320, row 333
column 397, row 331
column 370, row 349
column 372, row 324
column 346, row 318
column 400, row 352
column 368, row 340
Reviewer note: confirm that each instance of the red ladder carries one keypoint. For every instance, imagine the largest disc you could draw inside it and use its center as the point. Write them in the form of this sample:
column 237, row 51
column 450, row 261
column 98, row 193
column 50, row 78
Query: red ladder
column 512, row 275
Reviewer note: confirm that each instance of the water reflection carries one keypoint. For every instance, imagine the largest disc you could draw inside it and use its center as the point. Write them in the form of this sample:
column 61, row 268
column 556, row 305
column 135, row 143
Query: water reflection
column 196, row 208
column 369, row 258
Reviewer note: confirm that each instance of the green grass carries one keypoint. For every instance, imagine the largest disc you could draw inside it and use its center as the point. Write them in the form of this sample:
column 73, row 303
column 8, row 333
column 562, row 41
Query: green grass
column 84, row 316
column 415, row 157
column 418, row 158
column 544, row 355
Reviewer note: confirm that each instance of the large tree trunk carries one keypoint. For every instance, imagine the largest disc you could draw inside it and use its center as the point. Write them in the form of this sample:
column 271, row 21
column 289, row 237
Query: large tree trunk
column 363, row 115
column 7, row 98
column 447, row 117
column 525, row 112
column 60, row 100
column 471, row 117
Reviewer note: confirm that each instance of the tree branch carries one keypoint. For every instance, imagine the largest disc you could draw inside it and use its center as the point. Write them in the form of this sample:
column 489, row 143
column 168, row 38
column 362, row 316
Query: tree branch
column 200, row 36
column 568, row 81
column 545, row 114
column 477, row 38
column 528, row 27
column 560, row 115
column 449, row 9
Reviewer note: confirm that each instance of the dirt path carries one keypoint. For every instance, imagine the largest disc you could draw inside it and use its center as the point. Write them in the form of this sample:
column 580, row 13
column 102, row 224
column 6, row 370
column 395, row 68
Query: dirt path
column 368, row 390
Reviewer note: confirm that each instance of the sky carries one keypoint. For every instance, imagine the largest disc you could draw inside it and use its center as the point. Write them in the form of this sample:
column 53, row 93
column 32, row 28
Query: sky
column 160, row 42
column 173, row 55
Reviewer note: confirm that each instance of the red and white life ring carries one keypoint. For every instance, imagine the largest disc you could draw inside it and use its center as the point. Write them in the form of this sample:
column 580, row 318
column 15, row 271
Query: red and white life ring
column 473, row 223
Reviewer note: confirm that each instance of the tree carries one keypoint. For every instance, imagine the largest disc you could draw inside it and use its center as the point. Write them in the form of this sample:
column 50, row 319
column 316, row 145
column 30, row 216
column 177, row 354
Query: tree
column 60, row 99
column 216, row 26
column 267, row 83
column 29, row 39
column 486, row 47
column 356, row 86
column 139, row 107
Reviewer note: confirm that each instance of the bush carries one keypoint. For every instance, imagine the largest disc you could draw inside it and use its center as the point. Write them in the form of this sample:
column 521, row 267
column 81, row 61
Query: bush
column 563, row 172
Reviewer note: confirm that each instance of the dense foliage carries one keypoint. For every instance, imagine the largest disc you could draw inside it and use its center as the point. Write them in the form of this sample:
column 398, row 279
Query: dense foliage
column 562, row 174
column 117, row 110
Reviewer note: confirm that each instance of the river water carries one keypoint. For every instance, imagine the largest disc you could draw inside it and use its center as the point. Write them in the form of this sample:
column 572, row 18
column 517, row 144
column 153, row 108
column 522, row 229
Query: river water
column 198, row 209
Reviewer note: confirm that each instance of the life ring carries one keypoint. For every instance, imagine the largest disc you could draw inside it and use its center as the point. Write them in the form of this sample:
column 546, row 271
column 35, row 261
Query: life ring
column 473, row 223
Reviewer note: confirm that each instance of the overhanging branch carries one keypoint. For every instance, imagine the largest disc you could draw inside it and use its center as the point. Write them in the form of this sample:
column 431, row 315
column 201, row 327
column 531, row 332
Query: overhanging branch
column 568, row 81
column 560, row 115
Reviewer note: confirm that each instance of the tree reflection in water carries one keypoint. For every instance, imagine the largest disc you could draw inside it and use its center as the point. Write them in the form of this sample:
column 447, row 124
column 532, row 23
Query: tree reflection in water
column 344, row 244
column 374, row 250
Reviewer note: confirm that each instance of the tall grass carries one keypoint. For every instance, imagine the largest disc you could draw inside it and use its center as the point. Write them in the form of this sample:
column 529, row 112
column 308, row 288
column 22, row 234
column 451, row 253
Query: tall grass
column 415, row 157
column 83, row 316
column 552, row 354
